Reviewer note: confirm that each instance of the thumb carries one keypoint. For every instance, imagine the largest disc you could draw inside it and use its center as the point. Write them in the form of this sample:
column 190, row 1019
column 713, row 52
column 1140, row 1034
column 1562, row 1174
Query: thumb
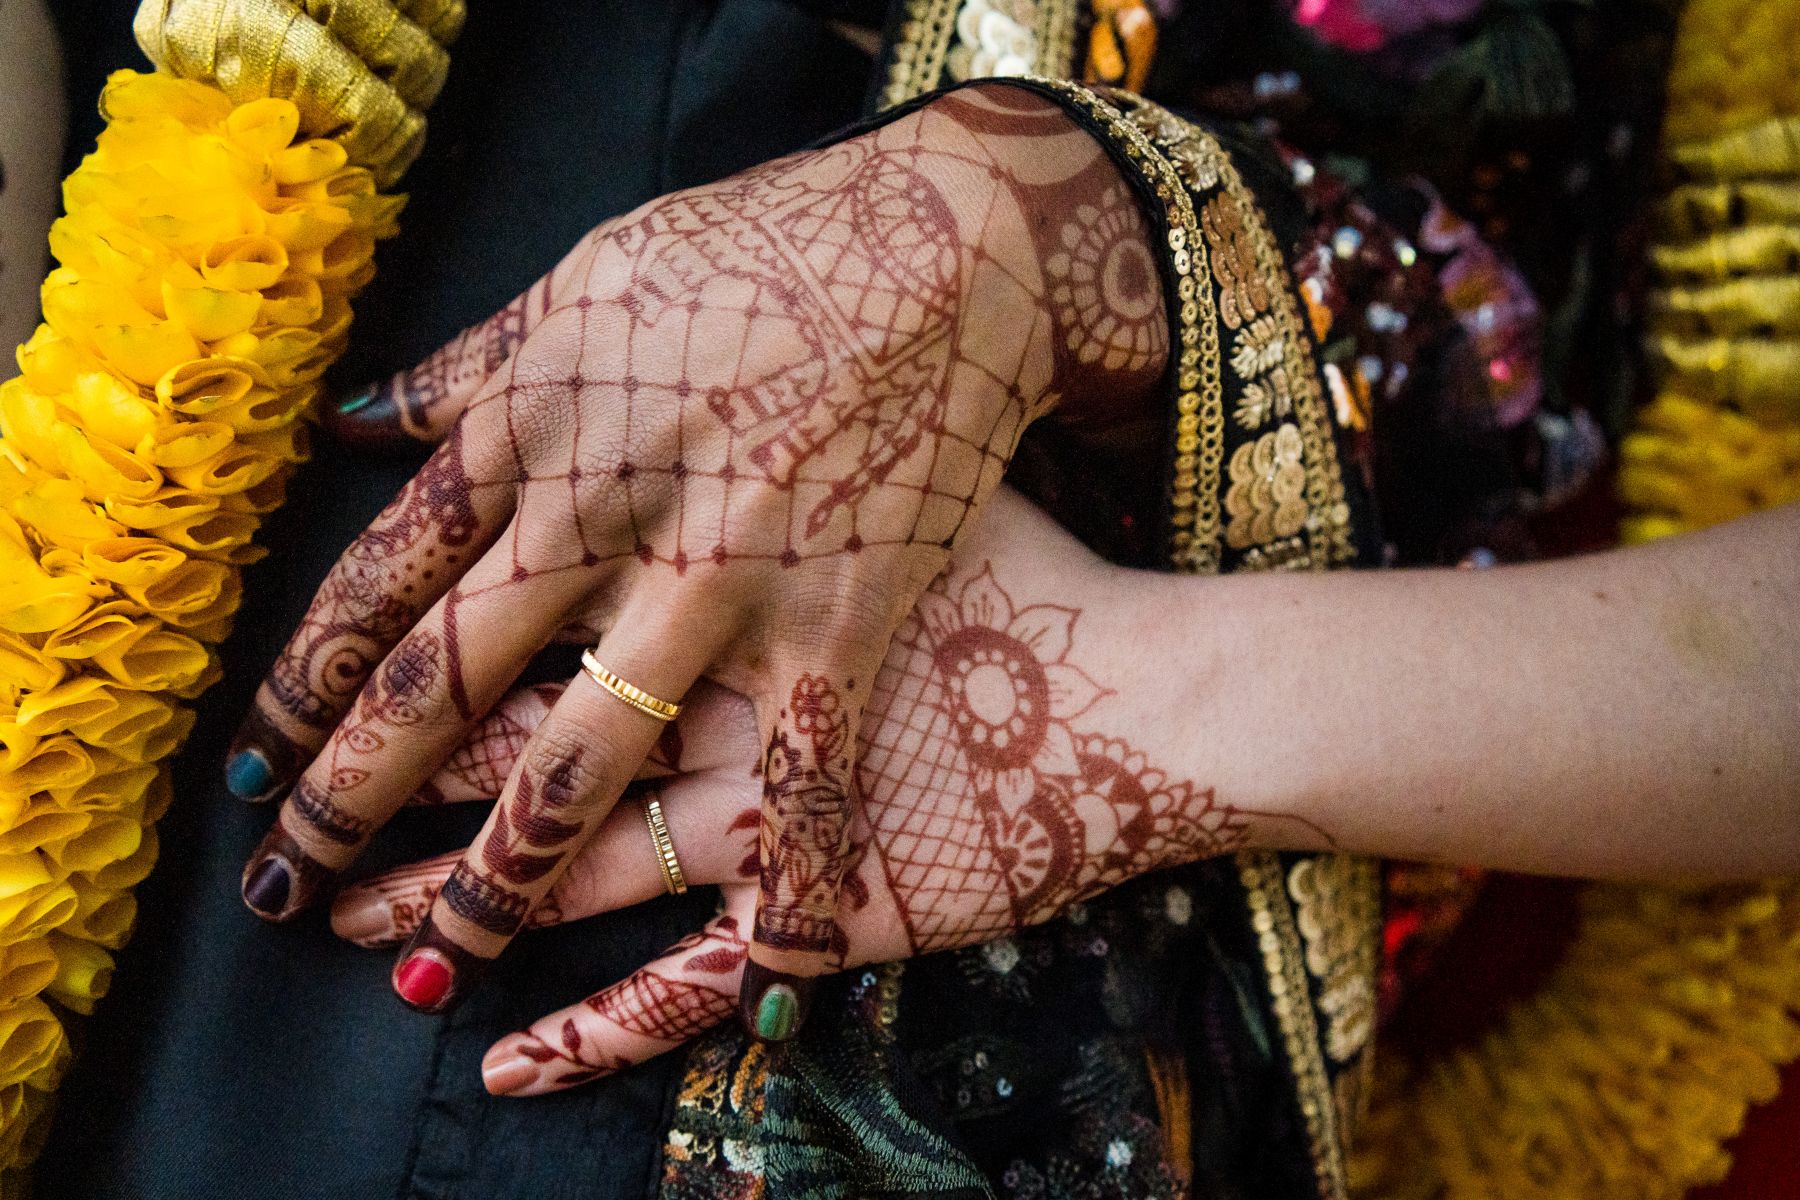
column 422, row 404
column 805, row 849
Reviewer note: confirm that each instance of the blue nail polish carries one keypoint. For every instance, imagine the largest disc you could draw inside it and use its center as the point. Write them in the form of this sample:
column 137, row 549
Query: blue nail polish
column 248, row 776
column 356, row 401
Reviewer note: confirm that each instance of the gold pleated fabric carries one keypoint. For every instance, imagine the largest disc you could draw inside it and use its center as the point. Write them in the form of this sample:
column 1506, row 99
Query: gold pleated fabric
column 361, row 72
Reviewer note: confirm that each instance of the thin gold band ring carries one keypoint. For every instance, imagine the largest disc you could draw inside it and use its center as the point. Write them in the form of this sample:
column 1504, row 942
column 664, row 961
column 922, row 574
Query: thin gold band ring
column 630, row 693
column 666, row 861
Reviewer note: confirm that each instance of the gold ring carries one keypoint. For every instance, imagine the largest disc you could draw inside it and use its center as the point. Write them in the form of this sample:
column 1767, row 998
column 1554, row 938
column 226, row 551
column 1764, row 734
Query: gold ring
column 631, row 694
column 670, row 866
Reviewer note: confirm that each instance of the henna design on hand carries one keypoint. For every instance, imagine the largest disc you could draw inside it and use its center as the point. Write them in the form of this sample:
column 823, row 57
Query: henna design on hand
column 377, row 591
column 805, row 830
column 664, row 1002
column 830, row 357
column 991, row 809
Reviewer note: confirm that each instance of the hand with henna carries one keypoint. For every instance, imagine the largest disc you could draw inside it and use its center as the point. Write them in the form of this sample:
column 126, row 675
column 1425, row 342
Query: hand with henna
column 1046, row 725
column 1000, row 781
column 734, row 434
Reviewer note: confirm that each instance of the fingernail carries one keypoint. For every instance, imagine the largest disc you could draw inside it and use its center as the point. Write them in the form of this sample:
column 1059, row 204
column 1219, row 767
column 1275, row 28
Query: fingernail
column 267, row 888
column 356, row 401
column 423, row 980
column 507, row 1076
column 248, row 775
column 774, row 1003
column 262, row 759
column 364, row 918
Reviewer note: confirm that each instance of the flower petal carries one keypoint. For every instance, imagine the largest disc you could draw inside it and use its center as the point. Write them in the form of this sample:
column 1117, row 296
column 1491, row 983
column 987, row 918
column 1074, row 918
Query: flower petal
column 1057, row 754
column 1014, row 788
column 1049, row 629
column 1071, row 691
column 985, row 602
column 939, row 616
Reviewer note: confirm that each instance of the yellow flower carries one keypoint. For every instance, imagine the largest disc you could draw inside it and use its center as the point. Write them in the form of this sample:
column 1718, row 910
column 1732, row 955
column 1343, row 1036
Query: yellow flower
column 206, row 264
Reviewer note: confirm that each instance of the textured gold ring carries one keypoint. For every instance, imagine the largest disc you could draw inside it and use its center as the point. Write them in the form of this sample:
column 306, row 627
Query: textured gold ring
column 666, row 861
column 630, row 693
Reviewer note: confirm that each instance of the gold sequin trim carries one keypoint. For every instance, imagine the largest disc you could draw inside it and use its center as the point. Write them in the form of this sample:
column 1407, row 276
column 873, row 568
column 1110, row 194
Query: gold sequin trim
column 1337, row 902
column 1284, row 961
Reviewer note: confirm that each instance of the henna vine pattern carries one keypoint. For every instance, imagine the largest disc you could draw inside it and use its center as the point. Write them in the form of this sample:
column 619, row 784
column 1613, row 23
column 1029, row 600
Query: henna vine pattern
column 806, row 845
column 690, row 990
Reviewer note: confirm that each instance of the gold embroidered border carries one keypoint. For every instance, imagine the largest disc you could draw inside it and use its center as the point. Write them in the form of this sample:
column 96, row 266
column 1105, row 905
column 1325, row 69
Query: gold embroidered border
column 1197, row 547
column 920, row 48
column 1200, row 396
column 1328, row 518
column 1056, row 39
column 1277, row 937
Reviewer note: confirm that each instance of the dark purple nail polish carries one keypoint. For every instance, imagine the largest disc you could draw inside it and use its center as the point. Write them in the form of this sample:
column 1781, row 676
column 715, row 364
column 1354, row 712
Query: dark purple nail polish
column 268, row 886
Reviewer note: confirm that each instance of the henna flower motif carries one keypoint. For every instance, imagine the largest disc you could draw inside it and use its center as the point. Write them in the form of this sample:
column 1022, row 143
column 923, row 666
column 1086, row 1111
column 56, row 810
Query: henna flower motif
column 1010, row 692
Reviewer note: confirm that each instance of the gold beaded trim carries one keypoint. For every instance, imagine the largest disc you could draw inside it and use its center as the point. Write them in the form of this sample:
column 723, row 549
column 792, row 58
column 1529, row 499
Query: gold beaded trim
column 1055, row 39
column 919, row 51
column 1199, row 398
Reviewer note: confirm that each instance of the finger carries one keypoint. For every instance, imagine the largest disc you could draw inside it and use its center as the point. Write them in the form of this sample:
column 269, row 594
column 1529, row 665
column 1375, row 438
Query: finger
column 716, row 730
column 415, row 710
column 805, row 847
column 478, row 769
column 712, row 826
column 667, row 1003
column 569, row 775
column 421, row 405
column 439, row 525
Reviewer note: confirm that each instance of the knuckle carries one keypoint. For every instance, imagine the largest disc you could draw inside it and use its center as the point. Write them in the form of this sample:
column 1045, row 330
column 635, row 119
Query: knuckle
column 563, row 761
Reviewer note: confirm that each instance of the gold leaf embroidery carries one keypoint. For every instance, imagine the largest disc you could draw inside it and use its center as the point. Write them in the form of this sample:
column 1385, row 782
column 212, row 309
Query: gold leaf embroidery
column 1243, row 293
column 1258, row 347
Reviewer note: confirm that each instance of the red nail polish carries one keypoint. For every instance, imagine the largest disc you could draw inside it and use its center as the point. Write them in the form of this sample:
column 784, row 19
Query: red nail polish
column 423, row 981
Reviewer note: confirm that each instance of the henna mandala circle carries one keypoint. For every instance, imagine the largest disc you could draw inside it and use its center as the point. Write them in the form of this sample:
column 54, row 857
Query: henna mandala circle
column 999, row 694
column 1105, row 286
column 1036, row 851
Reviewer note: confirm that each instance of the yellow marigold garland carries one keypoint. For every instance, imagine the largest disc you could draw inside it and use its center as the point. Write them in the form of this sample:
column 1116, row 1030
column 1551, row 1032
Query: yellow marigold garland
column 1623, row 1077
column 1673, row 1007
column 207, row 258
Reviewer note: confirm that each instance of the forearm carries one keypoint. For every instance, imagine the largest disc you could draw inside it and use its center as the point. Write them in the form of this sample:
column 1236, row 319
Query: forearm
column 1626, row 714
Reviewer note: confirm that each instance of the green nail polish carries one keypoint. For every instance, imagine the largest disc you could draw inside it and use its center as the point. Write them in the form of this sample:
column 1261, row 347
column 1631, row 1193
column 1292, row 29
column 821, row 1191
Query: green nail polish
column 356, row 401
column 776, row 1012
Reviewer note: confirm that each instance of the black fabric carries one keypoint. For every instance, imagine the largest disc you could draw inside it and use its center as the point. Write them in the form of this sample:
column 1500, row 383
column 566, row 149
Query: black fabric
column 237, row 1060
